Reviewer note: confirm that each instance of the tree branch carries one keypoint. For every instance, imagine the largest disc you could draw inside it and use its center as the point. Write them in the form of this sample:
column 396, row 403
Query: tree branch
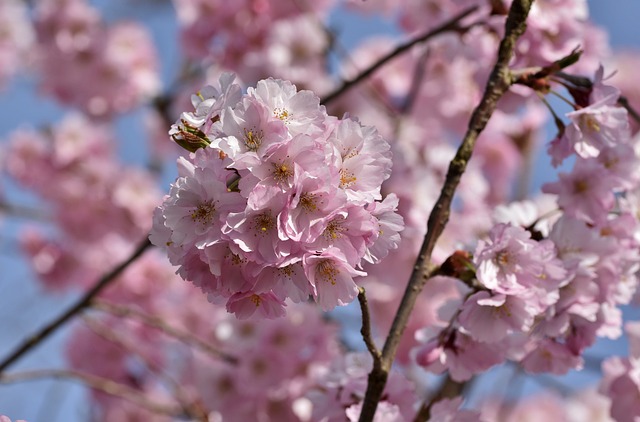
column 499, row 82
column 153, row 321
column 366, row 327
column 21, row 211
column 447, row 26
column 81, row 304
column 416, row 81
column 102, row 384
column 189, row 407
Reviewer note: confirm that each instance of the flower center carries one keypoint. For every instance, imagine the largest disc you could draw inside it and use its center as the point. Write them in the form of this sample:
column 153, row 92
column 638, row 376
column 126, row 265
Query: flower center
column 334, row 230
column 282, row 172
column 347, row 178
column 264, row 223
column 256, row 300
column 591, row 123
column 326, row 271
column 308, row 202
column 282, row 114
column 286, row 271
column 581, row 186
column 502, row 258
column 204, row 213
column 253, row 139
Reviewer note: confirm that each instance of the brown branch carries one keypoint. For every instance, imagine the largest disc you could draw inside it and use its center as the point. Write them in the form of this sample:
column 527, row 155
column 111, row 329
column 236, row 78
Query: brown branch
column 190, row 408
column 20, row 211
column 499, row 82
column 447, row 26
column 80, row 305
column 366, row 327
column 102, row 384
column 153, row 321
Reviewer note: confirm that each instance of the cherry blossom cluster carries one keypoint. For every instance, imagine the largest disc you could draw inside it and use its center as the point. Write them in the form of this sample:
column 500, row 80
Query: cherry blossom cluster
column 100, row 70
column 278, row 201
column 540, row 294
column 256, row 37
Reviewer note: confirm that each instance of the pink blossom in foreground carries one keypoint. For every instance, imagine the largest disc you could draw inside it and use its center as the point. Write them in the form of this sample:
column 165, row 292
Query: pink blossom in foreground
column 276, row 187
column 510, row 262
column 597, row 126
column 490, row 318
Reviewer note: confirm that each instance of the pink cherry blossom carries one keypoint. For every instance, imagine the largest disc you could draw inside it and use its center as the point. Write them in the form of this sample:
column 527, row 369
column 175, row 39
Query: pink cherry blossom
column 512, row 263
column 332, row 277
column 550, row 356
column 585, row 193
column 195, row 209
column 261, row 211
column 490, row 318
column 246, row 304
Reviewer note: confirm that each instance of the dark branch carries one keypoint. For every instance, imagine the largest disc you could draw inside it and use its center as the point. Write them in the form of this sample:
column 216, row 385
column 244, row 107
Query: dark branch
column 499, row 82
column 447, row 26
column 81, row 304
column 366, row 327
column 416, row 81
column 102, row 384
column 21, row 211
column 153, row 321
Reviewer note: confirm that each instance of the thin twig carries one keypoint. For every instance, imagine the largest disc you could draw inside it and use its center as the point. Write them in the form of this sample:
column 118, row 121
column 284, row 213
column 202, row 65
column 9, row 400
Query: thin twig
column 80, row 305
column 499, row 82
column 366, row 327
column 447, row 26
column 416, row 81
column 20, row 211
column 189, row 407
column 153, row 321
column 98, row 383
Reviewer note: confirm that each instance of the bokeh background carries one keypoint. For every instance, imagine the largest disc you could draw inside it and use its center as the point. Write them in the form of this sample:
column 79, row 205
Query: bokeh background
column 23, row 306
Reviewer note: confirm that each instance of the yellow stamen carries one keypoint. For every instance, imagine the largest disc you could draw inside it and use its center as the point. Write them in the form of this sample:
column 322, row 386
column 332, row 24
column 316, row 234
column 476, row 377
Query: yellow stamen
column 326, row 271
column 204, row 213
